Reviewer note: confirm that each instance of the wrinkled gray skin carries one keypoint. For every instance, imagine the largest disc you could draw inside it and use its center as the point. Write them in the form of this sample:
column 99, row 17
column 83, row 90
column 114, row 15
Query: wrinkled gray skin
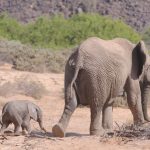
column 96, row 73
column 20, row 113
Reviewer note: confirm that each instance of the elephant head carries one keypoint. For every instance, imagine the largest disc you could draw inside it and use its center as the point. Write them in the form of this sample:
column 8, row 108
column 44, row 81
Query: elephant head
column 36, row 114
column 140, row 74
column 145, row 89
column 144, row 76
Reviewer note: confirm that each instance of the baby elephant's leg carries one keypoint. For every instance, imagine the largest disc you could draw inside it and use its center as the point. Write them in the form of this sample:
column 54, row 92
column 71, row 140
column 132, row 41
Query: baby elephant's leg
column 23, row 129
column 26, row 124
column 4, row 126
column 17, row 123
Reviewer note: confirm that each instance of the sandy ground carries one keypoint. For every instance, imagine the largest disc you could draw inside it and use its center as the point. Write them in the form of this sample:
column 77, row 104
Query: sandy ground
column 52, row 104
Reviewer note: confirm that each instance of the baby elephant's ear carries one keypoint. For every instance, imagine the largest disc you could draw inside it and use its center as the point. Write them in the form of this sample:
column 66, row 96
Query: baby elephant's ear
column 32, row 112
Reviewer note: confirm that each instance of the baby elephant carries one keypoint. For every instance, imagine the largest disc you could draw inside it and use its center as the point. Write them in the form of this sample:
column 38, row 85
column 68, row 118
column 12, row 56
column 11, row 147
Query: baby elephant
column 20, row 113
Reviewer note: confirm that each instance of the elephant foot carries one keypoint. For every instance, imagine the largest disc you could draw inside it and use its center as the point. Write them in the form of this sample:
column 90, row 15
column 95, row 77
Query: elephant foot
column 147, row 119
column 97, row 132
column 17, row 134
column 24, row 132
column 58, row 131
column 109, row 132
column 102, row 132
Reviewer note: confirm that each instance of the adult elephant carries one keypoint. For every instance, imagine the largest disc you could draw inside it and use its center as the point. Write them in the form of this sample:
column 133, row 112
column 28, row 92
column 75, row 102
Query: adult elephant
column 96, row 73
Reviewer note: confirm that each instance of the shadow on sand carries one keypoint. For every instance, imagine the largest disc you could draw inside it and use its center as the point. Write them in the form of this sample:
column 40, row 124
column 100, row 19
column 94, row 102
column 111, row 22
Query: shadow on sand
column 49, row 135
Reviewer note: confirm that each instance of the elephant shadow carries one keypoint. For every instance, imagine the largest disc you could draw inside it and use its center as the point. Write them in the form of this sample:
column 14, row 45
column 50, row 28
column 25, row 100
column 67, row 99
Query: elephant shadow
column 39, row 134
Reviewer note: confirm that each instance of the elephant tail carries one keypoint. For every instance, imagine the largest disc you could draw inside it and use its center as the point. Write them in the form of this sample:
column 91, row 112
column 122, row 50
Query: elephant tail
column 73, row 80
column 78, row 66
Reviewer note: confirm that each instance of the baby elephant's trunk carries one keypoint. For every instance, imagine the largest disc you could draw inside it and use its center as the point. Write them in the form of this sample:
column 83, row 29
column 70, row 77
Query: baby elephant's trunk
column 41, row 125
column 40, row 119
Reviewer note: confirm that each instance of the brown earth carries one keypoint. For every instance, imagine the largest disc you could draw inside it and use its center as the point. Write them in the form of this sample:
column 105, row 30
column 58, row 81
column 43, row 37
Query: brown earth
column 78, row 131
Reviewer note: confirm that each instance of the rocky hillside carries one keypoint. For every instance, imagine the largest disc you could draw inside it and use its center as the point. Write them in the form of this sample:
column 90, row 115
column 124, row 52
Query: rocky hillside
column 135, row 13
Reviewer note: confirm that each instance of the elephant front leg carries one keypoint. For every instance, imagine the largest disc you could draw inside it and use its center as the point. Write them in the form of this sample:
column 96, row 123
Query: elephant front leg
column 145, row 92
column 70, row 105
column 134, row 100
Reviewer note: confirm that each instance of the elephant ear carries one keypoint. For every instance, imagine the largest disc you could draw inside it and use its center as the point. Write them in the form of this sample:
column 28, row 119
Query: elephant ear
column 32, row 112
column 139, row 59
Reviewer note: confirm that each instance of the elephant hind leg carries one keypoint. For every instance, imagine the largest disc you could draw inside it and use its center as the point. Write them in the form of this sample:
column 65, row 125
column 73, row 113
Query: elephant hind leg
column 26, row 125
column 58, row 130
column 17, row 120
column 107, row 117
column 95, row 126
column 23, row 129
column 3, row 128
column 5, row 122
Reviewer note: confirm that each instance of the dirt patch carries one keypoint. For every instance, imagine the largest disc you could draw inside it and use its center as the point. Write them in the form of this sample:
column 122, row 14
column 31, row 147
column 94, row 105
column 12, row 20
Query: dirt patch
column 77, row 136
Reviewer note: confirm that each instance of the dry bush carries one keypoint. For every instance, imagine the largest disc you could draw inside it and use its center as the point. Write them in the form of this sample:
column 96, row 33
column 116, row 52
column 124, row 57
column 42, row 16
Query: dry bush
column 26, row 58
column 7, row 89
column 23, row 86
column 133, row 131
column 31, row 88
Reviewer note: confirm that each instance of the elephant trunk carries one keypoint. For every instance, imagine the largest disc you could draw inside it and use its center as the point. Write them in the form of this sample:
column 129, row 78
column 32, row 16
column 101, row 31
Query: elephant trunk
column 145, row 96
column 41, row 126
column 40, row 120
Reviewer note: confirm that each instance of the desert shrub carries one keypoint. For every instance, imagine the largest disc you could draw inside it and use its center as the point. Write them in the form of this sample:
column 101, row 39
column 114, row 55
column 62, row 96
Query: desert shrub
column 7, row 89
column 146, row 37
column 26, row 58
column 57, row 32
column 23, row 86
column 31, row 88
column 39, row 60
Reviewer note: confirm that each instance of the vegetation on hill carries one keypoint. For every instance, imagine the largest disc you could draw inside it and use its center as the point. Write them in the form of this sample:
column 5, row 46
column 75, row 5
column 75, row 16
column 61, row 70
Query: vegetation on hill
column 133, row 12
column 146, row 37
column 59, row 33
column 26, row 58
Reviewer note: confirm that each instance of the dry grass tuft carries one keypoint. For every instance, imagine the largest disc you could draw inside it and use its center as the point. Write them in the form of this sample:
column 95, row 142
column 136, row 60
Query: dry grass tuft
column 26, row 58
column 134, row 131
column 23, row 86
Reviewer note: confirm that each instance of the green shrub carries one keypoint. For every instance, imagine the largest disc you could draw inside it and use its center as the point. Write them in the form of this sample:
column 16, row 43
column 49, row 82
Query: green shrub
column 58, row 33
column 146, row 37
column 9, row 27
column 24, row 86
